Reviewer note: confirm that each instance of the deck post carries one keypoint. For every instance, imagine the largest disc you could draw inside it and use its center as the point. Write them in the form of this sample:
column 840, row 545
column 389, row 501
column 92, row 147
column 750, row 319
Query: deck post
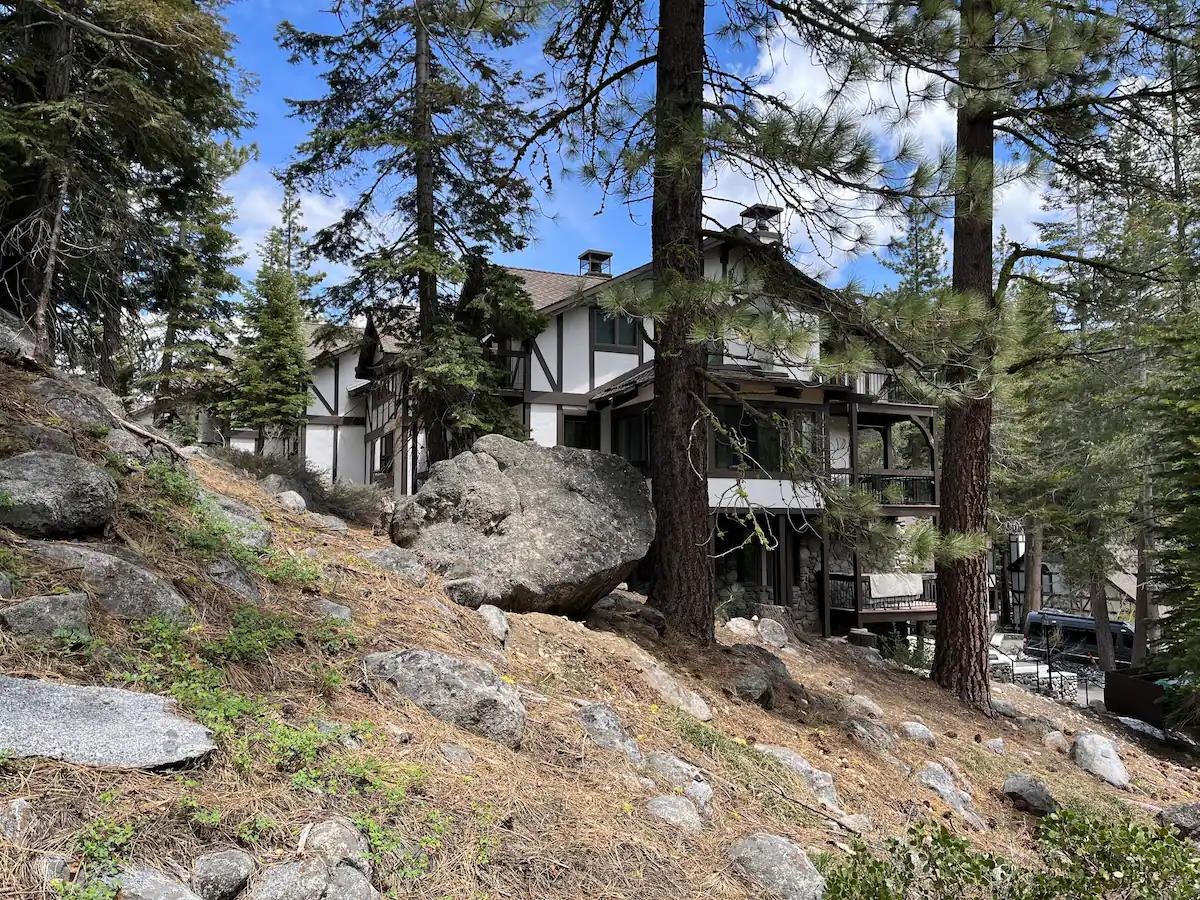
column 825, row 616
column 853, row 414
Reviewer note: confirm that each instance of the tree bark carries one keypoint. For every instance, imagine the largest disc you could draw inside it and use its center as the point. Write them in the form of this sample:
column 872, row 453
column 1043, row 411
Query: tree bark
column 43, row 337
column 960, row 663
column 1033, row 565
column 1105, row 652
column 163, row 406
column 426, row 221
column 683, row 584
column 110, row 345
column 1142, row 598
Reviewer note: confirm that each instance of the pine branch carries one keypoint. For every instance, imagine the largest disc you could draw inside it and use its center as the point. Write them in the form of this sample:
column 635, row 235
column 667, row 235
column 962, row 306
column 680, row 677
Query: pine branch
column 78, row 22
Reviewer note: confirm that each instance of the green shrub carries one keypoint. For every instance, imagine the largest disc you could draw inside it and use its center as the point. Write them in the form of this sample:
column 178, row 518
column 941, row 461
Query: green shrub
column 356, row 502
column 1083, row 855
column 291, row 568
column 253, row 634
column 174, row 483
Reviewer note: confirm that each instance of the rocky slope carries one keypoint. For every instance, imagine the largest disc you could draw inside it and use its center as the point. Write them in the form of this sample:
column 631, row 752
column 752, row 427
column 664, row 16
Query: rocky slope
column 205, row 694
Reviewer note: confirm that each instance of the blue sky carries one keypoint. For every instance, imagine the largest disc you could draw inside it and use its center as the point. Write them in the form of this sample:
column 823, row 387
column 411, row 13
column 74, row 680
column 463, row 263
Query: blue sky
column 576, row 216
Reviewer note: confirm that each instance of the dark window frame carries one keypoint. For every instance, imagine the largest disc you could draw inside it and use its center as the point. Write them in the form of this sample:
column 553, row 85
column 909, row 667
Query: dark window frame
column 814, row 414
column 617, row 319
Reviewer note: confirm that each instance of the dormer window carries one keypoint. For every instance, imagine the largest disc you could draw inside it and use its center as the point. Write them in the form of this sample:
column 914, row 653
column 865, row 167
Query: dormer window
column 615, row 331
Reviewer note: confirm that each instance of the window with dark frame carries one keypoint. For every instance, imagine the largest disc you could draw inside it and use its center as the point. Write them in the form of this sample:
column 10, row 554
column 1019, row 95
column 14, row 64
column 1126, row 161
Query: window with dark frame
column 582, row 432
column 616, row 330
column 765, row 442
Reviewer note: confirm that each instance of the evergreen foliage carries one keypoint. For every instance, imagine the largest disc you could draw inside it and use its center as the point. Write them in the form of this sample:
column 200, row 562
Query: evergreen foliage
column 272, row 373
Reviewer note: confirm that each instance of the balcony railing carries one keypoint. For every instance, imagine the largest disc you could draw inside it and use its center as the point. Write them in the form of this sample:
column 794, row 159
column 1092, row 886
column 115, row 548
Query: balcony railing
column 841, row 594
column 892, row 487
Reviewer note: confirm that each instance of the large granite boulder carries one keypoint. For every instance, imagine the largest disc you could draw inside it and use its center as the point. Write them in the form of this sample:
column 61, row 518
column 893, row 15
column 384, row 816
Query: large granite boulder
column 144, row 883
column 1029, row 794
column 73, row 404
column 465, row 693
column 1184, row 816
column 47, row 494
column 96, row 726
column 16, row 343
column 529, row 528
column 122, row 588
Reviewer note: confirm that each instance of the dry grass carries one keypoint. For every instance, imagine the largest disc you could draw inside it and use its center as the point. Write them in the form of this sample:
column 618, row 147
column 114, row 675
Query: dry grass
column 559, row 818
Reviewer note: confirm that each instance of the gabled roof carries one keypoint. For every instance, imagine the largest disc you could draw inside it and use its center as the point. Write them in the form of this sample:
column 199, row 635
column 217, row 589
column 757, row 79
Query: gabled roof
column 550, row 288
column 324, row 338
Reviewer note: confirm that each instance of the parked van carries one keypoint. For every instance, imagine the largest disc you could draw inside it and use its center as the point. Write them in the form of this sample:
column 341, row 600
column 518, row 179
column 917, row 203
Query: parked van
column 1060, row 636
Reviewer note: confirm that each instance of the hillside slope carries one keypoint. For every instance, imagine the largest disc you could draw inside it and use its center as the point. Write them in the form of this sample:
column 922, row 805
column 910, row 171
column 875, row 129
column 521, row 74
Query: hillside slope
column 304, row 736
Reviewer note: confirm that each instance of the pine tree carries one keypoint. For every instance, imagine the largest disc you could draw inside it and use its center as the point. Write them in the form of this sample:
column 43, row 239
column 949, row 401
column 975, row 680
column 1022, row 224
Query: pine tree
column 417, row 95
column 272, row 374
column 918, row 254
column 100, row 105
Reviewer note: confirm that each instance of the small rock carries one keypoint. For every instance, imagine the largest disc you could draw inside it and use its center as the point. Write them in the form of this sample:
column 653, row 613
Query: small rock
column 232, row 576
column 43, row 618
column 465, row 693
column 52, row 867
column 1096, row 754
column 347, row 883
column 818, row 782
column 862, row 705
column 1096, row 705
column 495, row 620
column 871, row 735
column 671, row 691
column 331, row 523
column 628, row 614
column 856, row 824
column 329, row 610
column 6, row 586
column 602, row 725
column 120, row 587
column 277, row 484
column 304, row 880
column 777, row 866
column 129, row 447
column 291, row 501
column 754, row 685
column 671, row 771
column 96, row 726
column 995, row 745
column 773, row 633
column 938, row 779
column 1028, row 794
column 677, row 811
column 1184, row 816
column 249, row 526
column 150, row 884
column 742, row 627
column 337, row 841
column 457, row 755
column 1056, row 740
column 916, row 731
column 15, row 818
column 1003, row 708
column 50, row 494
column 867, row 655
column 398, row 560
column 221, row 875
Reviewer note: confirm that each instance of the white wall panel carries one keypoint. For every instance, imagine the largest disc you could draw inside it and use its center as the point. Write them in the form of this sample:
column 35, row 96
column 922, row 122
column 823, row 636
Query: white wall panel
column 575, row 351
column 766, row 493
column 352, row 454
column 547, row 342
column 543, row 424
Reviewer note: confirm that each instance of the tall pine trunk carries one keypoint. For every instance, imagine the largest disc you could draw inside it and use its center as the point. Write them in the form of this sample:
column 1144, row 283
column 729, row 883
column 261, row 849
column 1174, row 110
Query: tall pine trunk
column 1142, row 598
column 1098, row 601
column 427, row 286
column 163, row 403
column 1033, row 565
column 683, row 582
column 960, row 661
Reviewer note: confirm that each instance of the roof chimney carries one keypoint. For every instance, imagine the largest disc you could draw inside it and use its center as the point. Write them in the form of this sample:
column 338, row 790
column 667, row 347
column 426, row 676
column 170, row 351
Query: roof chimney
column 763, row 221
column 595, row 262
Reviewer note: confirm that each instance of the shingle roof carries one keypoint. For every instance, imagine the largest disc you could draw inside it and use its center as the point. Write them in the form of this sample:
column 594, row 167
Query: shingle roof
column 548, row 288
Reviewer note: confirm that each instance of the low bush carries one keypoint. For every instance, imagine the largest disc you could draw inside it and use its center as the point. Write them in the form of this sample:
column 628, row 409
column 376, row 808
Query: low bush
column 356, row 502
column 1083, row 854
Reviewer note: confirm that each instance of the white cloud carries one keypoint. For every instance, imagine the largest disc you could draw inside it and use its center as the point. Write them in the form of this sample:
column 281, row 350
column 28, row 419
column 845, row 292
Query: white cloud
column 886, row 110
column 257, row 196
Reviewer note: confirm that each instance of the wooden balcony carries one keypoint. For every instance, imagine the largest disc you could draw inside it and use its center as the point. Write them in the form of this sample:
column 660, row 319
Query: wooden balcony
column 898, row 491
column 861, row 608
